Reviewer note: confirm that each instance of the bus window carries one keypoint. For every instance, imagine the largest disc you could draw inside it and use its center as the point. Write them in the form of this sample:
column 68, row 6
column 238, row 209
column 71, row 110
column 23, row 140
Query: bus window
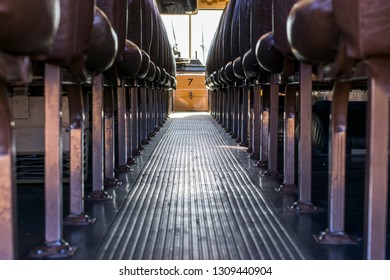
column 192, row 34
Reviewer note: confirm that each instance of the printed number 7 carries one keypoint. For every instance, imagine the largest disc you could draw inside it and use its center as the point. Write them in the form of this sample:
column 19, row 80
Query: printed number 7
column 190, row 81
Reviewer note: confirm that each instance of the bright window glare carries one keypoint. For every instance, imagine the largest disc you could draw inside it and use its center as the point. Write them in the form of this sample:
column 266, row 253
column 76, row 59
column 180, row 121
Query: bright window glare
column 178, row 24
column 206, row 22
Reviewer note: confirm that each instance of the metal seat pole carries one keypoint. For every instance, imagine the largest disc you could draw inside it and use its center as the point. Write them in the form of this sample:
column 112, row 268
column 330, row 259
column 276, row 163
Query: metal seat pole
column 251, row 120
column 54, row 246
column 155, row 111
column 304, row 203
column 98, row 192
column 288, row 185
column 272, row 170
column 109, row 138
column 53, row 154
column 245, row 115
column 130, row 128
column 264, row 129
column 335, row 233
column 256, row 122
column 122, row 129
column 144, row 118
column 214, row 98
column 224, row 107
column 134, row 118
column 151, row 114
column 235, row 112
column 377, row 159
column 239, row 113
column 7, row 184
column 273, row 126
column 229, row 109
column 76, row 116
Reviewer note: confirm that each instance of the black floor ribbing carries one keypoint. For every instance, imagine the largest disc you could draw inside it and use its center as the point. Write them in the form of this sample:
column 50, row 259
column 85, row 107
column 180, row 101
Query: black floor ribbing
column 194, row 200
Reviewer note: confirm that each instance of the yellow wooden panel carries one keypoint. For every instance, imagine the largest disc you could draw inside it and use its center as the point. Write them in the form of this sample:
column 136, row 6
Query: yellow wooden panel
column 212, row 4
column 187, row 104
column 194, row 93
column 191, row 93
column 190, row 81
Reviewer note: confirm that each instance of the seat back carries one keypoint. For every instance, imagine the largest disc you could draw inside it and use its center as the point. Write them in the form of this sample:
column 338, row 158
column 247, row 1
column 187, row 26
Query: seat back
column 116, row 11
column 281, row 11
column 74, row 32
column 28, row 27
column 314, row 20
column 103, row 44
column 364, row 25
column 260, row 23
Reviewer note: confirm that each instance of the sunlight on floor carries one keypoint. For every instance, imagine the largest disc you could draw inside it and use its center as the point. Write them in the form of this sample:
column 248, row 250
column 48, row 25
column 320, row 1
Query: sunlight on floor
column 181, row 115
column 239, row 148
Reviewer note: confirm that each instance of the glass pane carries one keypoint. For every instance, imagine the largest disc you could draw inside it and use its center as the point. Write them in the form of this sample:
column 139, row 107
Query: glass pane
column 197, row 30
column 179, row 26
column 204, row 25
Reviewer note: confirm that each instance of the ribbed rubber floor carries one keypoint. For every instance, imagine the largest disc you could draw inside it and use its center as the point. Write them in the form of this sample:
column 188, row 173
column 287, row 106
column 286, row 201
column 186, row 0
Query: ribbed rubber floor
column 194, row 200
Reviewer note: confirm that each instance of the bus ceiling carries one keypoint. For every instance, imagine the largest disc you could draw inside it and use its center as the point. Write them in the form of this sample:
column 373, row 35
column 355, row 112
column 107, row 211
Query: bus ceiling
column 189, row 6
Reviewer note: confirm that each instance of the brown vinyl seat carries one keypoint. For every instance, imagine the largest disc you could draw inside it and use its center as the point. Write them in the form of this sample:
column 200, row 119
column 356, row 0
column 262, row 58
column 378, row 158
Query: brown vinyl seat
column 100, row 54
column 153, row 88
column 140, row 31
column 103, row 44
column 132, row 62
column 268, row 57
column 168, row 69
column 275, row 55
column 232, row 67
column 160, row 99
column 355, row 49
column 324, row 33
column 322, row 50
column 127, row 64
column 218, row 57
column 27, row 28
column 73, row 44
column 260, row 23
